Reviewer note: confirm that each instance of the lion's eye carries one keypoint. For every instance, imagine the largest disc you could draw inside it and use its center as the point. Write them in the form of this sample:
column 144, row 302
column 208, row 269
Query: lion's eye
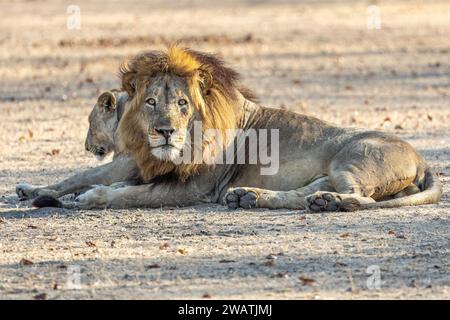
column 182, row 102
column 151, row 102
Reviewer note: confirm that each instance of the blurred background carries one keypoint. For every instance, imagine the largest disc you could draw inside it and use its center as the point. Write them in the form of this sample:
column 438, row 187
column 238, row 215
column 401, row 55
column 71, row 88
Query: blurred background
column 377, row 64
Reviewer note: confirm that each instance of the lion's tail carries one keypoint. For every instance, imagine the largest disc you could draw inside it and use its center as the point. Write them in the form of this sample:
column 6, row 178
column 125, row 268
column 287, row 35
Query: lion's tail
column 432, row 192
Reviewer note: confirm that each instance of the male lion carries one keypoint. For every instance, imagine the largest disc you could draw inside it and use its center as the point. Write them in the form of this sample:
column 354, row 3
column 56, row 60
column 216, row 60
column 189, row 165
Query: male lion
column 103, row 121
column 322, row 167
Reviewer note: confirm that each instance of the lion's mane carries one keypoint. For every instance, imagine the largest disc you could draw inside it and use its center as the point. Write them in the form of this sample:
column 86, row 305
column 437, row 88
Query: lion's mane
column 212, row 86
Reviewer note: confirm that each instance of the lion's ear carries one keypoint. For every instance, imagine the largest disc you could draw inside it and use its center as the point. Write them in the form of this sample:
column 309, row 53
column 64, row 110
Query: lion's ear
column 129, row 83
column 206, row 79
column 107, row 101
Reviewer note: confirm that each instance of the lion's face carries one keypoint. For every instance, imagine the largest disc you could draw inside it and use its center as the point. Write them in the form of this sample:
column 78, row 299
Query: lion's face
column 169, row 92
column 168, row 112
column 103, row 123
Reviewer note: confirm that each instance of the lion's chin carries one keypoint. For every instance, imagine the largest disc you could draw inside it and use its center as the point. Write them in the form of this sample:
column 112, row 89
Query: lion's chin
column 166, row 153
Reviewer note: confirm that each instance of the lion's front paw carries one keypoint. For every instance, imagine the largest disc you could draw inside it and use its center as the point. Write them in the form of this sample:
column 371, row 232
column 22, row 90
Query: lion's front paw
column 324, row 201
column 27, row 191
column 97, row 197
column 241, row 198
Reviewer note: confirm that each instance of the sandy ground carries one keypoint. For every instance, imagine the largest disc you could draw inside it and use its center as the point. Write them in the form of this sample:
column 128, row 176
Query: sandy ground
column 318, row 58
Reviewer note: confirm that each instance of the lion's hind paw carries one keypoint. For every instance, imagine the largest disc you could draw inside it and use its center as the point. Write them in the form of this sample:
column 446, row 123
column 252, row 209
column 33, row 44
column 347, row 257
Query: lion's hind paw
column 240, row 198
column 324, row 201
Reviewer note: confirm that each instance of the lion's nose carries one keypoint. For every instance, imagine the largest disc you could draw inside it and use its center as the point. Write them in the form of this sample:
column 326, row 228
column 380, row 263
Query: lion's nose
column 165, row 132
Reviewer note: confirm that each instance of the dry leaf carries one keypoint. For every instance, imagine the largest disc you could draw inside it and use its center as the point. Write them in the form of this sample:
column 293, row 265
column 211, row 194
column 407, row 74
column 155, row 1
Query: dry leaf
column 307, row 281
column 270, row 263
column 391, row 232
column 55, row 152
column 344, row 235
column 30, row 226
column 153, row 266
column 430, row 118
column 340, row 264
column 206, row 296
column 164, row 246
column 182, row 251
column 280, row 275
column 26, row 262
column 91, row 244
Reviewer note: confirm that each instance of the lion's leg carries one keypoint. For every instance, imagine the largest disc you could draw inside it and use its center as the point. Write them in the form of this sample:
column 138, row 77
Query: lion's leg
column 409, row 190
column 27, row 191
column 354, row 187
column 333, row 201
column 244, row 197
column 348, row 196
column 371, row 168
column 120, row 169
column 154, row 195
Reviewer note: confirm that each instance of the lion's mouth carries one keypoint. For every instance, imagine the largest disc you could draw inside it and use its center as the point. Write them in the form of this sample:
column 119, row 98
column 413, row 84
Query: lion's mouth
column 166, row 152
column 100, row 154
column 166, row 146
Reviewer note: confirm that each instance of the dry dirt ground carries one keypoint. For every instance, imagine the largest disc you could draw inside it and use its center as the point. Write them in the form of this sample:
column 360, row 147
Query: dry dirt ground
column 318, row 58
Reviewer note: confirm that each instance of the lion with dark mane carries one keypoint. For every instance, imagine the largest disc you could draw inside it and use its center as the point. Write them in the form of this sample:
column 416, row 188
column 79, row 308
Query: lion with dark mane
column 322, row 167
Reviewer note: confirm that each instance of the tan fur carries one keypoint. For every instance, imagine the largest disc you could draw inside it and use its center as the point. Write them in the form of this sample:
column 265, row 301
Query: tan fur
column 212, row 88
column 322, row 167
column 103, row 122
